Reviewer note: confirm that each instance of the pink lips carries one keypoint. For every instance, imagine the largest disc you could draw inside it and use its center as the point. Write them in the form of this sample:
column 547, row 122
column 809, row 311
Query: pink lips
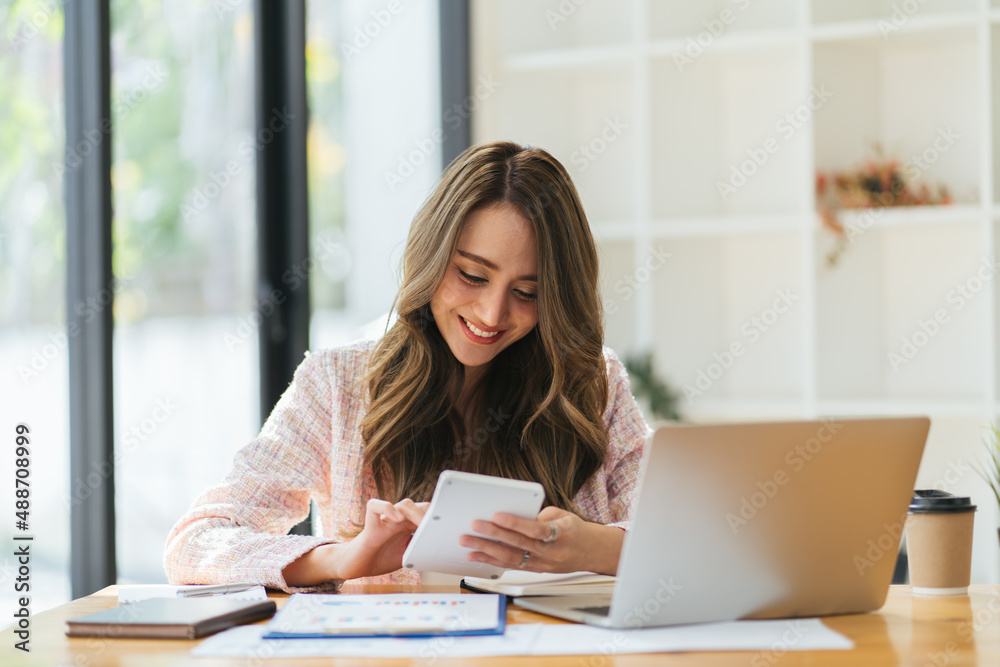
column 479, row 339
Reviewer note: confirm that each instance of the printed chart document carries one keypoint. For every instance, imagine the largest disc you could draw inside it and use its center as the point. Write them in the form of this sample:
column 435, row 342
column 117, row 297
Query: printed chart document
column 395, row 615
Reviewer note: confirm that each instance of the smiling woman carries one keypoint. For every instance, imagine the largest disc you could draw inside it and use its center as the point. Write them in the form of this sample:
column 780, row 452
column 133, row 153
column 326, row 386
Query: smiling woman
column 489, row 302
column 494, row 365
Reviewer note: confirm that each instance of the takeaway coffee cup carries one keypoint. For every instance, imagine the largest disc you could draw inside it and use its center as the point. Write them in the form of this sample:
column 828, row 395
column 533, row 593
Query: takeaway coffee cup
column 939, row 542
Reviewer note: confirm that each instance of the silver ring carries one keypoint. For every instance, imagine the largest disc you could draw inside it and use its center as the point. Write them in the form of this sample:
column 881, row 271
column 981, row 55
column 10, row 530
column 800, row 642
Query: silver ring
column 553, row 535
column 524, row 559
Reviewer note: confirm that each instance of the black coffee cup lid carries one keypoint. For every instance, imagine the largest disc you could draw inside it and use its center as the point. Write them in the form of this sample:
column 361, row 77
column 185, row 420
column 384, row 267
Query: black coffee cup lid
column 932, row 501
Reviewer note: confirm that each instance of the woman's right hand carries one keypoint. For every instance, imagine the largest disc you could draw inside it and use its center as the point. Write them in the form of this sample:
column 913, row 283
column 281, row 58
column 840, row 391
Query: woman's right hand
column 377, row 549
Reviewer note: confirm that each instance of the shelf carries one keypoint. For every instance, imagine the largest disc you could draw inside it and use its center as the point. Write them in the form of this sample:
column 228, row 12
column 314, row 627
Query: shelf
column 927, row 95
column 719, row 18
column 915, row 11
column 726, row 225
column 884, row 29
column 714, row 409
column 905, row 216
column 607, row 57
column 617, row 56
column 762, row 40
column 613, row 230
column 878, row 407
column 709, row 226
column 728, row 409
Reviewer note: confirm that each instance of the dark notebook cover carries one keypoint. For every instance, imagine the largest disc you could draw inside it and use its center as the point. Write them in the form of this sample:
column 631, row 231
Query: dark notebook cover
column 170, row 618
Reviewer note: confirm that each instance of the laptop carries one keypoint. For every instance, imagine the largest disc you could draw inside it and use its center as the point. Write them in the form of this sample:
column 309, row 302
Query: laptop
column 761, row 520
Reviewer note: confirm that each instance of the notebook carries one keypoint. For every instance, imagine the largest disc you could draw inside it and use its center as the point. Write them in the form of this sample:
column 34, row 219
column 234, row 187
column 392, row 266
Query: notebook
column 516, row 583
column 170, row 618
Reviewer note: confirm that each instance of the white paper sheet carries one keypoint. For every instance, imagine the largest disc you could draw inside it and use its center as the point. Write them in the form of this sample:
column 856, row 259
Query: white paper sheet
column 771, row 637
column 127, row 594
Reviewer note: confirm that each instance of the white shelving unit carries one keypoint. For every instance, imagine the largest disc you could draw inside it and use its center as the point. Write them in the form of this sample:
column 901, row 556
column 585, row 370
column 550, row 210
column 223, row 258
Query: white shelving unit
column 652, row 104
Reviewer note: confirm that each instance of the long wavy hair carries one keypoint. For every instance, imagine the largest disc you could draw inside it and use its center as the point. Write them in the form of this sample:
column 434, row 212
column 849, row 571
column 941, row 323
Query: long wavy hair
column 539, row 406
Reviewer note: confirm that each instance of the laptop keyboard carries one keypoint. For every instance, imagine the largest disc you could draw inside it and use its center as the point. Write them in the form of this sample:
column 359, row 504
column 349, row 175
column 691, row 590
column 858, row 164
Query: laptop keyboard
column 597, row 611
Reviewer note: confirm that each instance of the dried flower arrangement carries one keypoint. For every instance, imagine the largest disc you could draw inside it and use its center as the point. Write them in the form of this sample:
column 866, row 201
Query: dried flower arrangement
column 880, row 182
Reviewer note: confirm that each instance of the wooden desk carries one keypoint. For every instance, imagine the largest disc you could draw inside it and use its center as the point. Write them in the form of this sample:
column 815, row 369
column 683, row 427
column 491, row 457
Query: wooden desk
column 906, row 631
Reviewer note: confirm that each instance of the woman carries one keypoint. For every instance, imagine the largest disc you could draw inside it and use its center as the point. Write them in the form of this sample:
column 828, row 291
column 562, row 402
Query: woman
column 494, row 365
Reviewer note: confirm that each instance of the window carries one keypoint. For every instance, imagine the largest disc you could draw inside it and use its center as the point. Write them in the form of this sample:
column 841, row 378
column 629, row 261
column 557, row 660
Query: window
column 33, row 346
column 185, row 345
column 184, row 232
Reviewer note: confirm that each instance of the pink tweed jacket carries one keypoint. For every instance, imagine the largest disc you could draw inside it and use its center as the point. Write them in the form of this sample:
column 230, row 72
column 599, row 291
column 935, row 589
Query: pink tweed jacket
column 311, row 448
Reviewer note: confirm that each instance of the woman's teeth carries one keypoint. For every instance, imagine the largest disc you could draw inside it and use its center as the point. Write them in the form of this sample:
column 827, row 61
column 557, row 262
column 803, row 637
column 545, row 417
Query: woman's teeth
column 478, row 332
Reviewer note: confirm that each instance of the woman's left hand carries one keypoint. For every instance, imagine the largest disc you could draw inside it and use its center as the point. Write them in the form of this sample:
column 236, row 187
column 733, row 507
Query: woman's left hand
column 517, row 543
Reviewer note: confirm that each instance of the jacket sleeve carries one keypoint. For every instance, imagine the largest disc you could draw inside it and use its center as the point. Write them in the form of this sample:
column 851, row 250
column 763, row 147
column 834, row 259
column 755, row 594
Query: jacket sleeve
column 627, row 433
column 237, row 530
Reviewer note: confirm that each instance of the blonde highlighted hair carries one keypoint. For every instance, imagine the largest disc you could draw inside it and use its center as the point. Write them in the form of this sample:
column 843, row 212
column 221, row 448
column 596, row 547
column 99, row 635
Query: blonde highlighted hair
column 542, row 399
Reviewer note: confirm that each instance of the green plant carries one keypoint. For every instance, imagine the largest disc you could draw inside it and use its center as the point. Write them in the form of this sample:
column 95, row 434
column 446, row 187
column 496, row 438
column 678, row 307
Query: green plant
column 647, row 384
column 991, row 471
